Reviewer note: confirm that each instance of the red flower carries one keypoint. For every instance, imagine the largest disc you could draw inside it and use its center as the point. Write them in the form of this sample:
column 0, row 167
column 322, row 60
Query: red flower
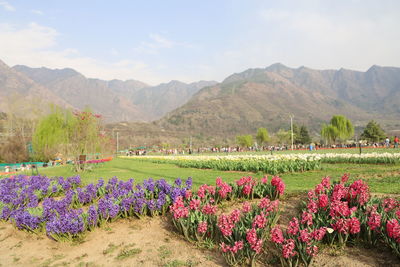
column 277, row 235
column 202, row 227
column 293, row 228
column 288, row 248
column 322, row 201
column 354, row 225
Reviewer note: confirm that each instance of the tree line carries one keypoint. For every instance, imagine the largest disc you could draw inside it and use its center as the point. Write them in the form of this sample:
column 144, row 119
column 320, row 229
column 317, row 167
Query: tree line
column 338, row 130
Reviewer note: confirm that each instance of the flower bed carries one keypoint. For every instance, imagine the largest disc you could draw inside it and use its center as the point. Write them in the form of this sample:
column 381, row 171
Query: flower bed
column 335, row 214
column 29, row 203
column 365, row 158
column 242, row 233
column 272, row 164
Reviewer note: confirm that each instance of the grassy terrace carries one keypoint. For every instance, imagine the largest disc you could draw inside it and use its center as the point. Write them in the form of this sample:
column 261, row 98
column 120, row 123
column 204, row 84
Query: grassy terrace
column 381, row 178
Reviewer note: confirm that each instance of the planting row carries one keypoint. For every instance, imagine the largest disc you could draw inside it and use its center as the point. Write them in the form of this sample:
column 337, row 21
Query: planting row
column 272, row 164
column 365, row 158
column 64, row 209
column 336, row 212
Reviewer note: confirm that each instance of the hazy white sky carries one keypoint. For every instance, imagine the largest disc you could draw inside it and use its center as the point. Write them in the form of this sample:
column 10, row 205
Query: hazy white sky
column 157, row 41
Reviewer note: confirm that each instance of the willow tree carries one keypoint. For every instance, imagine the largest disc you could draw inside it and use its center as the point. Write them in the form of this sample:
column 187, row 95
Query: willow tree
column 329, row 133
column 51, row 135
column 69, row 134
column 340, row 128
column 262, row 136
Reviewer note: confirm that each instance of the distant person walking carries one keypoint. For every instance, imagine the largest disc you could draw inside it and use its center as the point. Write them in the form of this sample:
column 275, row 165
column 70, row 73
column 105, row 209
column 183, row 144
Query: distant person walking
column 396, row 142
column 387, row 142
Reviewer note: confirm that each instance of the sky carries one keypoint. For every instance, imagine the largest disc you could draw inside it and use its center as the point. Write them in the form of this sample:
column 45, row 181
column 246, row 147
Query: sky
column 158, row 41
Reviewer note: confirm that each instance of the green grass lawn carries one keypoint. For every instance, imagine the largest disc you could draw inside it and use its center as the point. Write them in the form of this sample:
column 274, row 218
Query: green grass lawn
column 381, row 178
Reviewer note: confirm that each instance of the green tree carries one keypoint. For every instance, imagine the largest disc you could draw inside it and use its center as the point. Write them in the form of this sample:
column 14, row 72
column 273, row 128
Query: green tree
column 340, row 128
column 283, row 136
column 296, row 134
column 52, row 134
column 304, row 136
column 373, row 132
column 69, row 134
column 244, row 140
column 344, row 126
column 262, row 136
column 329, row 133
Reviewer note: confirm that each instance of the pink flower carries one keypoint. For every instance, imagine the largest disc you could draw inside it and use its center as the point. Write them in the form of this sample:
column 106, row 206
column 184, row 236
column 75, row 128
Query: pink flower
column 293, row 228
column 264, row 203
column 341, row 225
column 390, row 204
column 326, row 182
column 246, row 207
column 359, row 191
column 225, row 225
column 178, row 209
column 339, row 192
column 234, row 249
column 202, row 227
column 235, row 216
column 322, row 201
column 247, row 189
column 319, row 188
column 225, row 248
column 354, row 225
column 205, row 189
column 288, row 249
column 277, row 235
column 194, row 204
column 319, row 234
column 305, row 236
column 223, row 188
column 344, row 178
column 398, row 213
column 255, row 243
column 312, row 206
column 374, row 221
column 264, row 180
column 311, row 195
column 393, row 229
column 209, row 209
column 188, row 194
column 244, row 180
column 279, row 184
column 237, row 246
column 306, row 218
column 312, row 250
column 340, row 208
column 259, row 221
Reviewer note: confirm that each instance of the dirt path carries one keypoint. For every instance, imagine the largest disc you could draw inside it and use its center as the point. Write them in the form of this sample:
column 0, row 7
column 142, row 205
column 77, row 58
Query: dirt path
column 146, row 242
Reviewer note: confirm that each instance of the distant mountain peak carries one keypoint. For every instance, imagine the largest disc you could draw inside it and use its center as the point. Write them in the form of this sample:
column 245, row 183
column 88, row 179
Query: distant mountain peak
column 276, row 67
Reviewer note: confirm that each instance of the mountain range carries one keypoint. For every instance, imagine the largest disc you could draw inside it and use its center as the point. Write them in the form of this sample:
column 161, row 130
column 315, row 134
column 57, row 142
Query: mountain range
column 267, row 97
column 116, row 100
column 261, row 97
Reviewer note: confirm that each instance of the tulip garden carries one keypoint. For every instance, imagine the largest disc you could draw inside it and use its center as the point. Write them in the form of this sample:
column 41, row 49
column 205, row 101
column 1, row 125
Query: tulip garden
column 335, row 213
column 273, row 164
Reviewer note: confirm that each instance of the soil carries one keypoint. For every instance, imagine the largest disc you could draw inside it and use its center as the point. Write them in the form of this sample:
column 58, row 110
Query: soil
column 153, row 242
column 146, row 242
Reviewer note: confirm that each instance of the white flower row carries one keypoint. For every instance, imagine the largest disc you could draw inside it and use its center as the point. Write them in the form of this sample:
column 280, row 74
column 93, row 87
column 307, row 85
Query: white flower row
column 307, row 157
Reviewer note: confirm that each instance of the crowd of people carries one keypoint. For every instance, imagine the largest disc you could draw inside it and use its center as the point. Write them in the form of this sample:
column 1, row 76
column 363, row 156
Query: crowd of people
column 387, row 143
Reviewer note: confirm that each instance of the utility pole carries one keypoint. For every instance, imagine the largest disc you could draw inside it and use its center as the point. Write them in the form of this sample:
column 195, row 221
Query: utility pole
column 291, row 128
column 190, row 146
